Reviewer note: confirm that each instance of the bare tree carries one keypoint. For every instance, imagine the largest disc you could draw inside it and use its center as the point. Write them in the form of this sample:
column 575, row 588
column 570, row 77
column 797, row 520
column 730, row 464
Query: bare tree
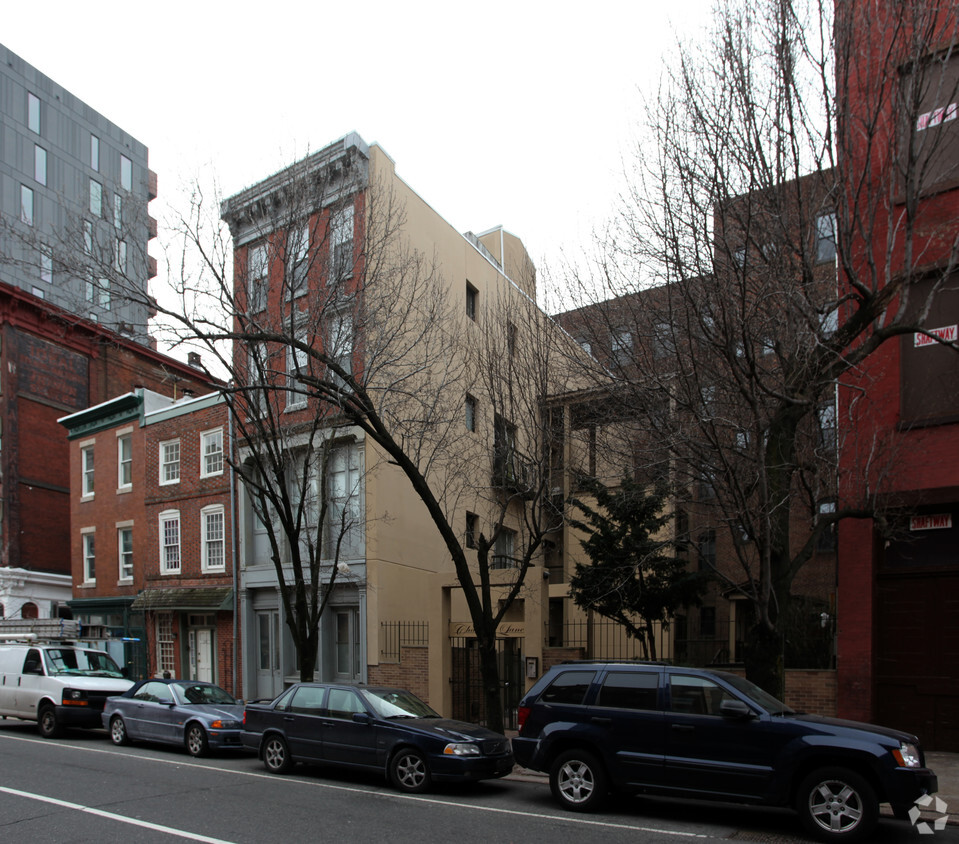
column 769, row 244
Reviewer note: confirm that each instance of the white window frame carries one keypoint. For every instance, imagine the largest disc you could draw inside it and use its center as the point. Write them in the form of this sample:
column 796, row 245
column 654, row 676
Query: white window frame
column 215, row 436
column 341, row 234
column 87, row 466
column 258, row 274
column 124, row 436
column 171, row 558
column 339, row 341
column 124, row 557
column 298, row 261
column 168, row 478
column 166, row 644
column 297, row 360
column 89, row 555
column 209, row 540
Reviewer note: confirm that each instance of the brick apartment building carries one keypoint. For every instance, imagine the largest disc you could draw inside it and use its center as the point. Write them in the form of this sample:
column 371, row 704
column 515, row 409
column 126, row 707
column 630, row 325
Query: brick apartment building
column 151, row 534
column 54, row 363
column 898, row 644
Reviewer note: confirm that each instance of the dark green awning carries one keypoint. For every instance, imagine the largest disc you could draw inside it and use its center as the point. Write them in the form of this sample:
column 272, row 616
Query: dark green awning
column 200, row 599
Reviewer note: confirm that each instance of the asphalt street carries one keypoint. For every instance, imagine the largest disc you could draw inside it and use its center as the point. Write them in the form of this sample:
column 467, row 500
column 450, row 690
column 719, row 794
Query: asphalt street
column 82, row 788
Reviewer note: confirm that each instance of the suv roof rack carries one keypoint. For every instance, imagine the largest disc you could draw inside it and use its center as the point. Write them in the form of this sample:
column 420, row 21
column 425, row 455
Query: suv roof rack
column 39, row 629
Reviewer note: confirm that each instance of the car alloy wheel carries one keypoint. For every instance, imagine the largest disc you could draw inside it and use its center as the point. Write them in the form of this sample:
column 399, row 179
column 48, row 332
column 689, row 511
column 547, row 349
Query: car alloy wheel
column 409, row 772
column 837, row 804
column 578, row 781
column 196, row 740
column 276, row 755
column 118, row 731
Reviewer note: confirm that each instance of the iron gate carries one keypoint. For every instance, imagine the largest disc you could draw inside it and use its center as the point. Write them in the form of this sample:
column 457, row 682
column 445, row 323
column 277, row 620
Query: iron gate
column 469, row 703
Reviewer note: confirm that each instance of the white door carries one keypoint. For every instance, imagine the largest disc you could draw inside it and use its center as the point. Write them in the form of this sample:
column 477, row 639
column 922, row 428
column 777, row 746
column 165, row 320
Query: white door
column 201, row 655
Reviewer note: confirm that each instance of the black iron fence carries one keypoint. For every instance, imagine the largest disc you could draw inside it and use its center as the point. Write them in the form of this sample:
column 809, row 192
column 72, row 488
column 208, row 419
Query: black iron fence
column 808, row 643
column 395, row 635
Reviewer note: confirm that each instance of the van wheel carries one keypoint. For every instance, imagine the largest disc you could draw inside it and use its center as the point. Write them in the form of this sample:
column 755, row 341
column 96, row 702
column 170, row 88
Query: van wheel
column 836, row 804
column 48, row 723
column 578, row 781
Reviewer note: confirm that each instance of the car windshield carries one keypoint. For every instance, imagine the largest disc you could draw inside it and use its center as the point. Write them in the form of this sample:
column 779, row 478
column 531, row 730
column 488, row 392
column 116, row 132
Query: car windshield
column 88, row 663
column 395, row 703
column 764, row 699
column 202, row 694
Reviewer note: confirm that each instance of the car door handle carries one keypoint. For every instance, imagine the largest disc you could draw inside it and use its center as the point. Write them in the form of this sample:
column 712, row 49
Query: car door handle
column 287, row 717
column 605, row 722
column 683, row 728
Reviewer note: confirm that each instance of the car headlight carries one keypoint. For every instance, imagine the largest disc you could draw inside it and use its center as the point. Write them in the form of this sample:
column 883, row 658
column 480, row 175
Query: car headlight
column 461, row 749
column 225, row 725
column 907, row 755
column 75, row 697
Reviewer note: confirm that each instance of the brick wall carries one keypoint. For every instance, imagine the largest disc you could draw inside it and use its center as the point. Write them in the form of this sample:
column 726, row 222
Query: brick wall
column 411, row 672
column 809, row 690
column 554, row 656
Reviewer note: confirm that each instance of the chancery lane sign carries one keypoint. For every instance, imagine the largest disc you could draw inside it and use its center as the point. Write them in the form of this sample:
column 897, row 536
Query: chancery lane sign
column 506, row 630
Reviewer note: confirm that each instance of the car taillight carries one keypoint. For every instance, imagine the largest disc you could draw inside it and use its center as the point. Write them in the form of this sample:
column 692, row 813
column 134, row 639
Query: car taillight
column 521, row 716
column 244, row 717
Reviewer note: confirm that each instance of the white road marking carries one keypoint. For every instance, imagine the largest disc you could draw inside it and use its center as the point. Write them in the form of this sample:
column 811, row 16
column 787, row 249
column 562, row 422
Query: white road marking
column 575, row 820
column 89, row 810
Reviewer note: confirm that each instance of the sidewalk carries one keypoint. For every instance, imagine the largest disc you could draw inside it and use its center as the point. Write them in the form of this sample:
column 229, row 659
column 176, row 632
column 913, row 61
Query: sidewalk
column 945, row 766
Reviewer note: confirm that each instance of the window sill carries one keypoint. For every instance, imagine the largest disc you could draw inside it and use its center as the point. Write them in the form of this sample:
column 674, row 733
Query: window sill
column 89, row 497
column 212, row 475
column 87, row 584
column 122, row 490
column 128, row 581
column 170, row 483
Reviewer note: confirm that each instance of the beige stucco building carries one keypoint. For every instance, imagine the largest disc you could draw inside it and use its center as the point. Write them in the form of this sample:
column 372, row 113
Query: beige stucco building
column 440, row 333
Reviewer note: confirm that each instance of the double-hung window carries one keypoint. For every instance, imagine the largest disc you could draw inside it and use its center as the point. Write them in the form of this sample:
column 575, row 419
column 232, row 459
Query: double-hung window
column 211, row 458
column 341, row 244
column 213, row 539
column 124, row 461
column 170, row 462
column 170, row 542
column 298, row 259
column 258, row 276
column 89, row 556
column 125, row 551
column 86, row 470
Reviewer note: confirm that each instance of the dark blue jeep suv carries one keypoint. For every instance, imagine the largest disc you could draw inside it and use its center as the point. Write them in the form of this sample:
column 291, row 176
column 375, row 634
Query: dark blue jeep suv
column 688, row 732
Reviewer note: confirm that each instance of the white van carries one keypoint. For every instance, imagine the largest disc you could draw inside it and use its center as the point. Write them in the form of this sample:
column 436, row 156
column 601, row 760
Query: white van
column 57, row 685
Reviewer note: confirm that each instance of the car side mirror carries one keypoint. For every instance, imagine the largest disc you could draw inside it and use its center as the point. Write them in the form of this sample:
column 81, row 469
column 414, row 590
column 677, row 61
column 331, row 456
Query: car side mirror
column 361, row 718
column 734, row 708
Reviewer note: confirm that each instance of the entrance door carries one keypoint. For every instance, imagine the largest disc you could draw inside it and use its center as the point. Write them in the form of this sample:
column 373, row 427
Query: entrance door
column 269, row 679
column 346, row 623
column 201, row 655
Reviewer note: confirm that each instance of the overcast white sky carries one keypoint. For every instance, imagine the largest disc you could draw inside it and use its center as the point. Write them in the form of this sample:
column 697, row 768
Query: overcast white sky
column 514, row 113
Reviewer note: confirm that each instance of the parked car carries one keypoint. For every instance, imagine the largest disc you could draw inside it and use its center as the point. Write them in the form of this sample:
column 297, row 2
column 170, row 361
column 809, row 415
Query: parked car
column 373, row 728
column 687, row 732
column 199, row 716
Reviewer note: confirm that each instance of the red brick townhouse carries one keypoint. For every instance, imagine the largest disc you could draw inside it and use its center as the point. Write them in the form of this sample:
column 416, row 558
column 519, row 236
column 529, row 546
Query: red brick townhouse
column 54, row 362
column 151, row 518
column 898, row 641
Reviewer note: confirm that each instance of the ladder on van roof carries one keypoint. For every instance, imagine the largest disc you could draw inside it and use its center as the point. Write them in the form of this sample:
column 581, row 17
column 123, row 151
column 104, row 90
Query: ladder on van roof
column 36, row 629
